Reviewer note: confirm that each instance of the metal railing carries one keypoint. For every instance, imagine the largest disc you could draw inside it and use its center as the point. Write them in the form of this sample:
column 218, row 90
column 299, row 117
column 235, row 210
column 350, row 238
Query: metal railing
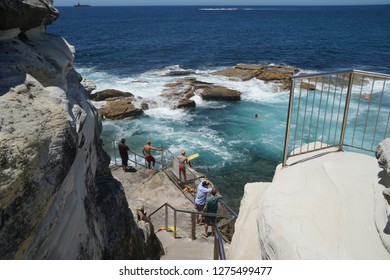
column 134, row 158
column 225, row 218
column 338, row 109
column 171, row 162
column 167, row 160
column 224, row 229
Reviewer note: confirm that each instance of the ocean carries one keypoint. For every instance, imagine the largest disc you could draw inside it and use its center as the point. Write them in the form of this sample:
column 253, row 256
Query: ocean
column 133, row 48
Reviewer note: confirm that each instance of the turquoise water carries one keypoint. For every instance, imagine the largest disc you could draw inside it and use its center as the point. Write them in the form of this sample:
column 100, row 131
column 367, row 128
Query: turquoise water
column 234, row 146
column 132, row 49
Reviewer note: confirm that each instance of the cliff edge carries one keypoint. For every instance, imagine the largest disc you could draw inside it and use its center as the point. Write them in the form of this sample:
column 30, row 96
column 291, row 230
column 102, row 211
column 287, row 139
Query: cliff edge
column 58, row 199
column 332, row 205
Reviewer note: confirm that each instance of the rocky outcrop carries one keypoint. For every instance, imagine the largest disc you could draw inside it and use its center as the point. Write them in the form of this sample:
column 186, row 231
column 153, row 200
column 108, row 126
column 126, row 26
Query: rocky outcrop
column 57, row 194
column 334, row 209
column 308, row 86
column 219, row 93
column 120, row 105
column 382, row 154
column 186, row 103
column 120, row 110
column 88, row 85
column 180, row 92
column 278, row 74
column 110, row 95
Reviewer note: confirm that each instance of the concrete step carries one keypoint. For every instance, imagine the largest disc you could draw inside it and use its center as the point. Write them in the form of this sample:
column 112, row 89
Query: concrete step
column 184, row 248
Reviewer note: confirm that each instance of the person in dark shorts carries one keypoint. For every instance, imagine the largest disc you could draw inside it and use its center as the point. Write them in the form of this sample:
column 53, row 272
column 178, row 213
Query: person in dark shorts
column 123, row 149
column 211, row 207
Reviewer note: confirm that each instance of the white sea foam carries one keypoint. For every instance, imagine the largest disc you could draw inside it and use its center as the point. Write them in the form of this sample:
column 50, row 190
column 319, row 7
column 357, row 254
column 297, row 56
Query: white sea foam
column 150, row 84
column 168, row 114
column 253, row 90
column 99, row 104
column 219, row 9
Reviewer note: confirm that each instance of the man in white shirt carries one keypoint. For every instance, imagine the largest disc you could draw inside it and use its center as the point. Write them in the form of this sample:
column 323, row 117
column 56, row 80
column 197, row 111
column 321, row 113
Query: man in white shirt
column 200, row 199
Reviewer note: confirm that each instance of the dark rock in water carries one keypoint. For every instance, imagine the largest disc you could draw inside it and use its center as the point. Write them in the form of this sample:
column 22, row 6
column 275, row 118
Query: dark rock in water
column 120, row 109
column 186, row 103
column 110, row 94
column 144, row 106
column 179, row 93
column 219, row 93
column 308, row 86
column 180, row 73
column 238, row 73
column 269, row 73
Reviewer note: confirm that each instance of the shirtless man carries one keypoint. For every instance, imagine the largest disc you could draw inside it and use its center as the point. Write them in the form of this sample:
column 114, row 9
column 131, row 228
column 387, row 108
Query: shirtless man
column 147, row 153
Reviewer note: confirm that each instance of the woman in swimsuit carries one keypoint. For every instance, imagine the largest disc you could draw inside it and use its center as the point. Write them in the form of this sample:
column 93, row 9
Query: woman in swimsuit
column 182, row 165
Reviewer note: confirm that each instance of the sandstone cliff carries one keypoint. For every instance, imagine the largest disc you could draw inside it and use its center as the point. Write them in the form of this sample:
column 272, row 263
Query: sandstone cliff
column 58, row 199
column 322, row 206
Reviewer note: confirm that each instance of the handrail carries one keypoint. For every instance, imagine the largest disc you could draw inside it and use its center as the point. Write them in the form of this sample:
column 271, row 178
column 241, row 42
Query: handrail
column 321, row 112
column 219, row 252
column 348, row 71
column 161, row 163
column 194, row 177
column 230, row 210
column 186, row 167
column 219, row 249
column 114, row 146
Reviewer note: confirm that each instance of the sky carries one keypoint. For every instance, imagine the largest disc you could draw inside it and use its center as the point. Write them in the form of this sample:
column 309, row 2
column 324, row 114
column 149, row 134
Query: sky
column 217, row 2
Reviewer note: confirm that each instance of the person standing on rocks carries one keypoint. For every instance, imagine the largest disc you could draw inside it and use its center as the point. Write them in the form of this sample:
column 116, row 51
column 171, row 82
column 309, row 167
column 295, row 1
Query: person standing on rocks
column 147, row 153
column 123, row 149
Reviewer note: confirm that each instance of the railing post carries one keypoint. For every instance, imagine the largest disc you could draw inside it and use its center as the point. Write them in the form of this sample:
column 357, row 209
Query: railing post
column 288, row 123
column 162, row 158
column 113, row 144
column 346, row 108
column 166, row 217
column 216, row 254
column 193, row 227
column 174, row 223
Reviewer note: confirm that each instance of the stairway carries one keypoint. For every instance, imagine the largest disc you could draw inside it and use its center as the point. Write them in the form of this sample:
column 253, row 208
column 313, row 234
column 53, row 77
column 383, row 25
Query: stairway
column 186, row 249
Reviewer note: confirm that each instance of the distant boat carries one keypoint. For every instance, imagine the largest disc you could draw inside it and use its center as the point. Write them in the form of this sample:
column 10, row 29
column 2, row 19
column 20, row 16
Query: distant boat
column 78, row 5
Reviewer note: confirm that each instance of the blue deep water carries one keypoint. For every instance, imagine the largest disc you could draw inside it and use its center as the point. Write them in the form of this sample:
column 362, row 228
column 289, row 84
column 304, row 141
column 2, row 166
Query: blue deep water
column 132, row 48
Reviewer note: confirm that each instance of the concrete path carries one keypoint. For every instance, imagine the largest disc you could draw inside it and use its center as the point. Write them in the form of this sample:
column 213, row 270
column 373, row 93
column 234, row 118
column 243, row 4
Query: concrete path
column 185, row 248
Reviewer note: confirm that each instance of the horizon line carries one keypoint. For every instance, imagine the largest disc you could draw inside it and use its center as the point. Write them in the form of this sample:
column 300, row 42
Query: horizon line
column 207, row 5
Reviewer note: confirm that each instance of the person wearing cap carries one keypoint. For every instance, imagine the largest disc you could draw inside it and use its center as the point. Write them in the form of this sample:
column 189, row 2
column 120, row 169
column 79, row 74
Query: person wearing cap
column 183, row 160
column 147, row 153
column 123, row 148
